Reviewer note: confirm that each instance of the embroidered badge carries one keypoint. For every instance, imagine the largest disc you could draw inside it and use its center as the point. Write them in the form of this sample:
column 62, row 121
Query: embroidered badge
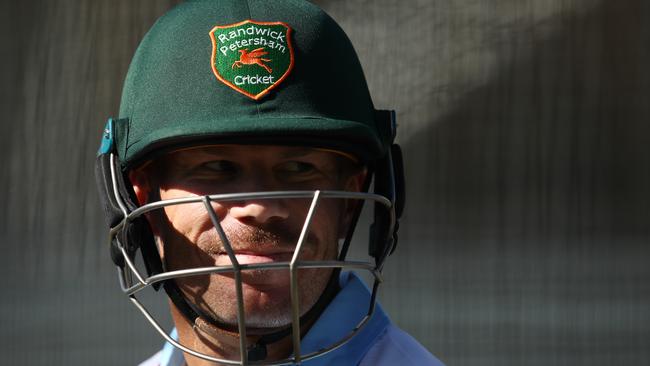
column 252, row 57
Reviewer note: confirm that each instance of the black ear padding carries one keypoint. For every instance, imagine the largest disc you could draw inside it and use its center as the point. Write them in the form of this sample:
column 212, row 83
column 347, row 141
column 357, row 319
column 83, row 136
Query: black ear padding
column 400, row 193
column 388, row 182
column 112, row 211
column 398, row 174
column 138, row 234
column 139, row 231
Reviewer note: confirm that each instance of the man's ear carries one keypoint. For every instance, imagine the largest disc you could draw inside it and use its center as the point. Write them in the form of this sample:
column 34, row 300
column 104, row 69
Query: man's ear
column 141, row 185
column 354, row 183
column 143, row 189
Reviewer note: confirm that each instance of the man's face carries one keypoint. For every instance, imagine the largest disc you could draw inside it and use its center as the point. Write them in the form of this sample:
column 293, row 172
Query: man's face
column 259, row 230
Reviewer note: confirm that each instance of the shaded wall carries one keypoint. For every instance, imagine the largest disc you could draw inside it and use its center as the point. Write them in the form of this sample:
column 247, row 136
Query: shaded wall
column 525, row 127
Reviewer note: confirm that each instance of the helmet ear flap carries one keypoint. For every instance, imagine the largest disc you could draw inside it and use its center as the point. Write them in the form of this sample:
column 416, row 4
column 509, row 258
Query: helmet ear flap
column 112, row 210
column 398, row 174
column 388, row 182
column 117, row 199
column 140, row 232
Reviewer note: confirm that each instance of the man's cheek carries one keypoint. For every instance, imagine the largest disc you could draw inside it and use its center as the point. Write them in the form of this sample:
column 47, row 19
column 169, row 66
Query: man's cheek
column 188, row 220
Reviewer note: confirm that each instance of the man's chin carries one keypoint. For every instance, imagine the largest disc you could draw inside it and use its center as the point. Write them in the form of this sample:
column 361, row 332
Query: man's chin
column 266, row 295
column 265, row 310
column 256, row 324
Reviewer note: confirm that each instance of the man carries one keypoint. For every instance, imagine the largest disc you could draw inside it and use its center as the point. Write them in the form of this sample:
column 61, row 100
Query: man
column 237, row 172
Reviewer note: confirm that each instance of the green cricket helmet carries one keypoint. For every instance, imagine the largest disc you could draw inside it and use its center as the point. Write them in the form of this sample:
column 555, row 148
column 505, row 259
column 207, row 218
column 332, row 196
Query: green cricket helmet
column 236, row 71
column 243, row 72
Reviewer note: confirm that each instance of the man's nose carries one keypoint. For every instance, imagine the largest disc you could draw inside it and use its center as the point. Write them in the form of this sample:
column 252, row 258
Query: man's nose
column 260, row 211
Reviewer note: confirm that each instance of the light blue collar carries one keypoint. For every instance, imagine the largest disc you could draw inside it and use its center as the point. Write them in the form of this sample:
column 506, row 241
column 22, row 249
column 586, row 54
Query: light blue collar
column 341, row 316
column 170, row 355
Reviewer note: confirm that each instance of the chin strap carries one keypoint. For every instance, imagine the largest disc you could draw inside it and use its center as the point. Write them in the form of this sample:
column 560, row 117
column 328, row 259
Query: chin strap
column 257, row 351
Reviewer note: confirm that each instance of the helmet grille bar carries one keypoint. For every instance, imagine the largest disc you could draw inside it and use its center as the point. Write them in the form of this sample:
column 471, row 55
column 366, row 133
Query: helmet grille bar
column 293, row 269
column 241, row 320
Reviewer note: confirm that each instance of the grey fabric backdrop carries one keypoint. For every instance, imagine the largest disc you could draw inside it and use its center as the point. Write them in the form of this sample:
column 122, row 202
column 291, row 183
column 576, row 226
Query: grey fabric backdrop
column 525, row 127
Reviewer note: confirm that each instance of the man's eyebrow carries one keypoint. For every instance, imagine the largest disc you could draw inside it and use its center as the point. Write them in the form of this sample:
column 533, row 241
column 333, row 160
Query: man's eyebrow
column 298, row 152
column 190, row 153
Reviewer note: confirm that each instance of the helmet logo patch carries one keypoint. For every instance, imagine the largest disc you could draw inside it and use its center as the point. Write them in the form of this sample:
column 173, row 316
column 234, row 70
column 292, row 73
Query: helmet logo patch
column 252, row 57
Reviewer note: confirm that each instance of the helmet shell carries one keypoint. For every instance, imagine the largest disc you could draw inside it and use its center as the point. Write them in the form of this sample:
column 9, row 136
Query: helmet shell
column 172, row 98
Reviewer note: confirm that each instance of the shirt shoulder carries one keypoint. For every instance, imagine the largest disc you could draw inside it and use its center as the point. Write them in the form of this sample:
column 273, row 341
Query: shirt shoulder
column 396, row 347
column 153, row 360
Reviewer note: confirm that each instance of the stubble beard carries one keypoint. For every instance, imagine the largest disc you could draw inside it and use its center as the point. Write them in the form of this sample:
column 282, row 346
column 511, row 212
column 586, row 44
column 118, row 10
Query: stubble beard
column 266, row 305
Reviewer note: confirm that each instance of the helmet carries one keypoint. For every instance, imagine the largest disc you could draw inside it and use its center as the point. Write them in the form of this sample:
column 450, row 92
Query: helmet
column 244, row 72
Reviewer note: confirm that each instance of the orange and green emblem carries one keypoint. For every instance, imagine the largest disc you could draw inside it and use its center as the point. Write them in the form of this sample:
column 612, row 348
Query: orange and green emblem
column 252, row 57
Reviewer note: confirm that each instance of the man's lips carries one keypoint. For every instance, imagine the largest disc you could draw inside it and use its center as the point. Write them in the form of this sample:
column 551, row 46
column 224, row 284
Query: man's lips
column 261, row 279
column 250, row 258
column 254, row 257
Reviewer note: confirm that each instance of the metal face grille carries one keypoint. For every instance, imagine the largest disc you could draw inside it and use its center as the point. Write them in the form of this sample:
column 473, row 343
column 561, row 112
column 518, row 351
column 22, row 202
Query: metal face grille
column 133, row 280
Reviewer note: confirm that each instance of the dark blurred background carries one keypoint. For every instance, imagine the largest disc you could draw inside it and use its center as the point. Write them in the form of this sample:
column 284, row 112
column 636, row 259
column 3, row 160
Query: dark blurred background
column 525, row 125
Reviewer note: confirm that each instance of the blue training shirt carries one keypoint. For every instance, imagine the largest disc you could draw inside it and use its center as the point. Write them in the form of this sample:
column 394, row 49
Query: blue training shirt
column 379, row 343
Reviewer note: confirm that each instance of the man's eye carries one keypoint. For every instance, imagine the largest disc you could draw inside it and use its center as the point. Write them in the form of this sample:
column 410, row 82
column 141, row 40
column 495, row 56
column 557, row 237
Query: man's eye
column 218, row 166
column 297, row 167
